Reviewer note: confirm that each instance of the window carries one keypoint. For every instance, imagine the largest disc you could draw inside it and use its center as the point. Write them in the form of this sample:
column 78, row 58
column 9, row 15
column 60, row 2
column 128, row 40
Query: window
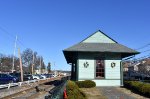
column 100, row 72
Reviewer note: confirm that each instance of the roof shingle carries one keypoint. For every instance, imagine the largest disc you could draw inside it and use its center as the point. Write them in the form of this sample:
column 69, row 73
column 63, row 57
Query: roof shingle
column 101, row 47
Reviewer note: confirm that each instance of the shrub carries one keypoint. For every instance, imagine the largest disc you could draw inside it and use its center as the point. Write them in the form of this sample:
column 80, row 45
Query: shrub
column 86, row 84
column 136, row 86
column 127, row 84
column 140, row 87
column 73, row 91
column 147, row 81
column 145, row 89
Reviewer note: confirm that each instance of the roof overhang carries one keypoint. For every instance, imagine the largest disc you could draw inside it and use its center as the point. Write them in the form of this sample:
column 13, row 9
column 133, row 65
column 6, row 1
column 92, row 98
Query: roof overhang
column 71, row 56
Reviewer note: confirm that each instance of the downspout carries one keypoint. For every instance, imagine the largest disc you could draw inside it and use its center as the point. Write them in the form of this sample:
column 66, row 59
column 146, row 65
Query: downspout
column 71, row 70
column 121, row 69
column 121, row 73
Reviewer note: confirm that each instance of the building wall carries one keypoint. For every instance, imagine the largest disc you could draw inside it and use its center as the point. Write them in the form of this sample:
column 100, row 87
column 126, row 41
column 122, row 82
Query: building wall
column 86, row 73
column 98, row 38
column 107, row 82
column 112, row 75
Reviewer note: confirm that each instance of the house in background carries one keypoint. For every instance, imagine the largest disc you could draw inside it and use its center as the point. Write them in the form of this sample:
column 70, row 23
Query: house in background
column 125, row 65
column 144, row 67
column 98, row 58
column 138, row 70
column 134, row 67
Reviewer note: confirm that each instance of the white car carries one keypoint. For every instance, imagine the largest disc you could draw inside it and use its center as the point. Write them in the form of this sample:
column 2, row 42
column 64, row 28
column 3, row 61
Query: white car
column 35, row 77
column 54, row 75
column 43, row 76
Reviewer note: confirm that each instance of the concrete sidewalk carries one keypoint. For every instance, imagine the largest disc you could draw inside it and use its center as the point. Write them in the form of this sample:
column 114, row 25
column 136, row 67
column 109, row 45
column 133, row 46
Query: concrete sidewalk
column 114, row 93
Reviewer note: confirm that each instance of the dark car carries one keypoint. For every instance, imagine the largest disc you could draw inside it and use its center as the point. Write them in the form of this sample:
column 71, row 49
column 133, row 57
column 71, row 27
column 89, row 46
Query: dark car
column 17, row 75
column 6, row 78
column 27, row 77
column 48, row 75
column 40, row 76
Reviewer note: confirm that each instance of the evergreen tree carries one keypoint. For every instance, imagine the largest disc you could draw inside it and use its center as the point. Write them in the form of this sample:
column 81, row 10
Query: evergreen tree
column 49, row 67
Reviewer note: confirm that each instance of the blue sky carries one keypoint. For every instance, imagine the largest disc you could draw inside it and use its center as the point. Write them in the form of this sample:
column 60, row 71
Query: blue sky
column 49, row 26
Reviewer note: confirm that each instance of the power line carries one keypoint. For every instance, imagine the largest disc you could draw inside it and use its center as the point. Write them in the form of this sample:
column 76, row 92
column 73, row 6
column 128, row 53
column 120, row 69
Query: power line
column 145, row 51
column 5, row 31
column 133, row 58
column 142, row 57
column 143, row 46
column 12, row 36
column 21, row 43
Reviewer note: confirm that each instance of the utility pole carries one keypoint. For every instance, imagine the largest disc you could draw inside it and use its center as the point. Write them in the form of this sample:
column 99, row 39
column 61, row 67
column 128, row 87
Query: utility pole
column 21, row 70
column 40, row 65
column 33, row 62
column 1, row 66
column 14, row 54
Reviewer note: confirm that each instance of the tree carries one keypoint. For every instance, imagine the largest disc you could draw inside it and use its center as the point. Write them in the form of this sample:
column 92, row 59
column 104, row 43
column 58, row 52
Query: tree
column 49, row 67
column 39, row 63
column 43, row 67
column 6, row 63
column 27, row 57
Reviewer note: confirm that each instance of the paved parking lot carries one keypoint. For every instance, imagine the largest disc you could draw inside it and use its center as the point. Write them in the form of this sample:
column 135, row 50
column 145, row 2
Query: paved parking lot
column 114, row 93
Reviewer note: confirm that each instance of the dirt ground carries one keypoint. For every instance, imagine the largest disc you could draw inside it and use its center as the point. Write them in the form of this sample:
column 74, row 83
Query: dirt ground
column 100, row 93
column 93, row 93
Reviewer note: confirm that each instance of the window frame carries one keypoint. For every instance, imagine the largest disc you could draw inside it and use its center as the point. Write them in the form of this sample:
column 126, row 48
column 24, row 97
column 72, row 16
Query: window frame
column 102, row 59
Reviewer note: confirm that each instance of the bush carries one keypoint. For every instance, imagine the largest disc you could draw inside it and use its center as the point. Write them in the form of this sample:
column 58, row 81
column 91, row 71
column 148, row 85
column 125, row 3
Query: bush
column 145, row 89
column 73, row 91
column 136, row 86
column 147, row 81
column 140, row 87
column 86, row 84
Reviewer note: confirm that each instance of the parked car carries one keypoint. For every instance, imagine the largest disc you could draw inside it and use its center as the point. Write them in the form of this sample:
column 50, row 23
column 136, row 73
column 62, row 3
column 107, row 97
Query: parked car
column 27, row 77
column 49, row 75
column 43, row 76
column 40, row 76
column 6, row 78
column 17, row 75
column 53, row 75
column 35, row 76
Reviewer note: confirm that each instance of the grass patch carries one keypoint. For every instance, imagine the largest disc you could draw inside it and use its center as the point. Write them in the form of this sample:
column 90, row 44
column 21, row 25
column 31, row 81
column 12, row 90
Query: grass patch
column 93, row 93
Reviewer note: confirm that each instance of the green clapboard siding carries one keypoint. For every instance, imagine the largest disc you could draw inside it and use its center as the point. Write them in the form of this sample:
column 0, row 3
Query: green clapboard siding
column 112, row 75
column 86, row 73
column 98, row 37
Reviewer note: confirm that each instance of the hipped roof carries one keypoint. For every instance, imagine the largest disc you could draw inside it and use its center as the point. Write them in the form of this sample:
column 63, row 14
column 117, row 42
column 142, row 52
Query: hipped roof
column 100, row 47
column 91, row 45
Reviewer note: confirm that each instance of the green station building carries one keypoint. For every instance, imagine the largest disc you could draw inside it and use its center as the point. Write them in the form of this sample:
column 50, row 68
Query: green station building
column 98, row 58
